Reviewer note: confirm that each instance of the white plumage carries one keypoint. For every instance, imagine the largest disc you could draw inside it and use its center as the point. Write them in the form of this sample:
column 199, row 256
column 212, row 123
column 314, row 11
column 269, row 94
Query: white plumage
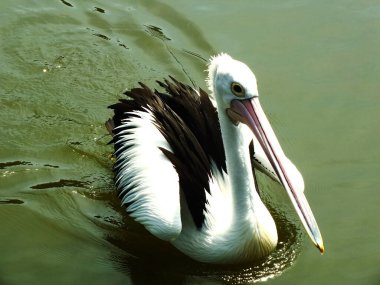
column 154, row 194
column 184, row 166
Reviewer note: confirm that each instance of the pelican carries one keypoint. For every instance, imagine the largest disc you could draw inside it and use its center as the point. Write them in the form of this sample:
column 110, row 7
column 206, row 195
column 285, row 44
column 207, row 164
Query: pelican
column 183, row 165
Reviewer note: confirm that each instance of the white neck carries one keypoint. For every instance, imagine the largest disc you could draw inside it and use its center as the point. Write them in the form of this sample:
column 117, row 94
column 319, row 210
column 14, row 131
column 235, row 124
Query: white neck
column 239, row 169
column 250, row 216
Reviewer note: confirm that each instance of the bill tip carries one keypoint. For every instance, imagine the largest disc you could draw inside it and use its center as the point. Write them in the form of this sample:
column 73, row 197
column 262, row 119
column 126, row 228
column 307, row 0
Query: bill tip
column 321, row 248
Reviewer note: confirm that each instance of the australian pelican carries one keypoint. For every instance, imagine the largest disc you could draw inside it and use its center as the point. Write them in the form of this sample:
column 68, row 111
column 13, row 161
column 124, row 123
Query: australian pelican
column 184, row 161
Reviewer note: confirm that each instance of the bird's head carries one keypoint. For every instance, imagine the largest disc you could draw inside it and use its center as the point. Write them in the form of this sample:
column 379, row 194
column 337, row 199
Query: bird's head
column 230, row 80
column 234, row 88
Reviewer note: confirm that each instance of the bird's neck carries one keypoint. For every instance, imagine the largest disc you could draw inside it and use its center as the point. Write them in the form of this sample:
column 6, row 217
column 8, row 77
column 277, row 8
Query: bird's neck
column 250, row 216
column 239, row 169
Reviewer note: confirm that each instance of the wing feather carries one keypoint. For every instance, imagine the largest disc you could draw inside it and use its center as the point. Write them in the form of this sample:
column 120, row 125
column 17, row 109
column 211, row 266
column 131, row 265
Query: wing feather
column 187, row 143
column 146, row 180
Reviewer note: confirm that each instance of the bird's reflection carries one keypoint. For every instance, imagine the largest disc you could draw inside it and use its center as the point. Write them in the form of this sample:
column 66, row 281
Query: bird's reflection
column 148, row 260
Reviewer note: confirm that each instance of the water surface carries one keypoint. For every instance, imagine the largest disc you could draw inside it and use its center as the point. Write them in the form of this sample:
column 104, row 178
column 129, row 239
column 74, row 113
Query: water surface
column 63, row 62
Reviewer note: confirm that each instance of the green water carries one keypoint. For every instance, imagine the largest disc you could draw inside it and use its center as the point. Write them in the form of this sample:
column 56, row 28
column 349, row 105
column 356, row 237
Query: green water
column 63, row 62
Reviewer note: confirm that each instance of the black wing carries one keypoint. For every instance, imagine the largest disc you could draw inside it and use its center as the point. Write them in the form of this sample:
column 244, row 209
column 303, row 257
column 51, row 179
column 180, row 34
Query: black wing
column 189, row 122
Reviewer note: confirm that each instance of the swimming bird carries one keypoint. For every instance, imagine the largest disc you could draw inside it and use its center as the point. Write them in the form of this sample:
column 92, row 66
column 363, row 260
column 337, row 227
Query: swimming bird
column 185, row 165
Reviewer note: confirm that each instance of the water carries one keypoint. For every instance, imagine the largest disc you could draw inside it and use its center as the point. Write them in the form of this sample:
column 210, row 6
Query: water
column 62, row 62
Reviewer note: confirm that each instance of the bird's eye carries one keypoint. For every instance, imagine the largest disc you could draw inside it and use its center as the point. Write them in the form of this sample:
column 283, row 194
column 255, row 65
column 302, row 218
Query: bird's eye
column 237, row 89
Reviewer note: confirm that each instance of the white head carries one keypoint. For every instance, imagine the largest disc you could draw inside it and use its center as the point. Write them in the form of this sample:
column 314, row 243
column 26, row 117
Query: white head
column 230, row 79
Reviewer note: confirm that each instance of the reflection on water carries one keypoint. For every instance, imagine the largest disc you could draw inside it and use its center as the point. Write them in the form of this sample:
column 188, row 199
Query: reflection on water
column 141, row 252
column 164, row 264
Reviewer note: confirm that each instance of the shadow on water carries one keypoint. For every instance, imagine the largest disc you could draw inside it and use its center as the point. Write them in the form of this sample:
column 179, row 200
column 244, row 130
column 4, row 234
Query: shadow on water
column 138, row 252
